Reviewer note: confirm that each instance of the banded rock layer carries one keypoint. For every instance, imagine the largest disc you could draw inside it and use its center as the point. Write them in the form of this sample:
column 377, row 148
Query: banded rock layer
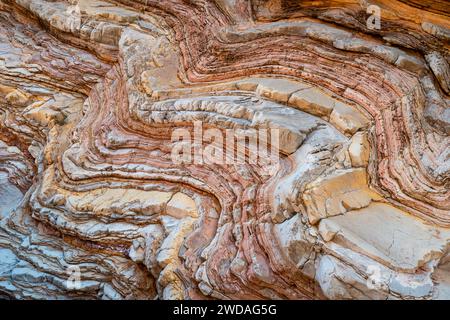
column 91, row 92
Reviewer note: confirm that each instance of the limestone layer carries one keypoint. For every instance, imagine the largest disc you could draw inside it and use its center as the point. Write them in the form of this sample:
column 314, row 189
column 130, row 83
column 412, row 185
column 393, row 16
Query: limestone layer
column 92, row 205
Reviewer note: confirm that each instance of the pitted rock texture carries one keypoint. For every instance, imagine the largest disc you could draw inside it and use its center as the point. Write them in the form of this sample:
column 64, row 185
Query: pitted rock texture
column 91, row 91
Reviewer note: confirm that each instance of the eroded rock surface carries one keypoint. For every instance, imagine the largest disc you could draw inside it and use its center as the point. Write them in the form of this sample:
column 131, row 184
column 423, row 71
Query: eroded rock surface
column 92, row 205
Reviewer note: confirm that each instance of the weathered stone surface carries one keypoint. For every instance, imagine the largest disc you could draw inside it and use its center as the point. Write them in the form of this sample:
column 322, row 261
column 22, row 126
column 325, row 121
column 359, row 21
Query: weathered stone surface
column 92, row 205
column 388, row 235
column 11, row 196
column 337, row 193
column 359, row 150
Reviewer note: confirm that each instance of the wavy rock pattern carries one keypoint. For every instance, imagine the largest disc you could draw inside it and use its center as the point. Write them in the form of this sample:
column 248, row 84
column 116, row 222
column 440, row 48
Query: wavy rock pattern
column 91, row 91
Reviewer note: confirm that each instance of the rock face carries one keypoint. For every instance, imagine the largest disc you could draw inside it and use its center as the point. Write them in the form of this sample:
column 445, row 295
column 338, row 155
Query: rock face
column 93, row 206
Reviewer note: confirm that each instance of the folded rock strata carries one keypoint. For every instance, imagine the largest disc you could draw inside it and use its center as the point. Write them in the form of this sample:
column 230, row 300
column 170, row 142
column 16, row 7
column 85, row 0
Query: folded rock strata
column 91, row 92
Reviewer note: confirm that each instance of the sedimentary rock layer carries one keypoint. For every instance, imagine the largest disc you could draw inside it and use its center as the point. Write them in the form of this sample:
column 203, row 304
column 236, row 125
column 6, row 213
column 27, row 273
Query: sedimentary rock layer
column 92, row 204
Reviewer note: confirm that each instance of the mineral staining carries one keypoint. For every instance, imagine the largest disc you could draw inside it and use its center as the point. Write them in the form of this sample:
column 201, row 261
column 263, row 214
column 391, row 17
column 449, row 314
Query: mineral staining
column 92, row 205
